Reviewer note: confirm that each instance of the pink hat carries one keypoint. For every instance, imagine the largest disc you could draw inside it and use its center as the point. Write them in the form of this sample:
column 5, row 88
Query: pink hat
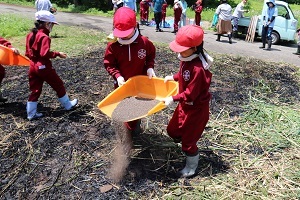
column 188, row 36
column 124, row 22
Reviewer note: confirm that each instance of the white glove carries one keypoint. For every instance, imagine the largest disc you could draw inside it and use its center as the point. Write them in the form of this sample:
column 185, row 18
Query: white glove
column 150, row 73
column 120, row 80
column 168, row 100
column 168, row 78
column 16, row 51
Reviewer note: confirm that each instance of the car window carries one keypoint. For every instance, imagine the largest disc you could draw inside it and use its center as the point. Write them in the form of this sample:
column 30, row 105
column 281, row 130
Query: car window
column 282, row 11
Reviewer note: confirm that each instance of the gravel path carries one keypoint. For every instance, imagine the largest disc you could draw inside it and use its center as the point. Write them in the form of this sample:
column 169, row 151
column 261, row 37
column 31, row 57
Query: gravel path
column 280, row 53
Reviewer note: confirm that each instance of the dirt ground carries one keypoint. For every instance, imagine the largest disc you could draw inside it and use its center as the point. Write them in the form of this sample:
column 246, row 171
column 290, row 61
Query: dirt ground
column 69, row 155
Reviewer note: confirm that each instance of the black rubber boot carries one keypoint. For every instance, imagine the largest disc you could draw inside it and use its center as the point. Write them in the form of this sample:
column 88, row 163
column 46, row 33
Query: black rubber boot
column 219, row 37
column 263, row 45
column 269, row 45
column 230, row 38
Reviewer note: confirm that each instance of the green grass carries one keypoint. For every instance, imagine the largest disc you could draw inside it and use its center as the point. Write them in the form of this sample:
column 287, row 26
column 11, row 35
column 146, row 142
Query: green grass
column 79, row 42
column 262, row 148
column 15, row 28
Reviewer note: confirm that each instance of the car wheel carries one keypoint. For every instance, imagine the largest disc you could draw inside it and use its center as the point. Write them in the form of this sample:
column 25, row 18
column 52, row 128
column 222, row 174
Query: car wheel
column 275, row 37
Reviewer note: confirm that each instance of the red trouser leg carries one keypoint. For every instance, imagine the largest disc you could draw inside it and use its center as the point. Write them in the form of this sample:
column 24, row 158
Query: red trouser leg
column 141, row 15
column 145, row 16
column 176, row 21
column 38, row 76
column 197, row 19
column 188, row 123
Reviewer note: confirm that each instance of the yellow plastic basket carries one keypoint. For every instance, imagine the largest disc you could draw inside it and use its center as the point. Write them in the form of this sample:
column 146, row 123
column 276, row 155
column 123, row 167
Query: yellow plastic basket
column 8, row 57
column 139, row 86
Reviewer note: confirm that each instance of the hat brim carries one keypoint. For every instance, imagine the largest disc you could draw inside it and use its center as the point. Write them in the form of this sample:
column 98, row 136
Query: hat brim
column 121, row 34
column 174, row 46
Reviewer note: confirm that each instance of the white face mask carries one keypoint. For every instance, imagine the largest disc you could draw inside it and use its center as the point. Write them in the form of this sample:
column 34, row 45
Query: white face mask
column 191, row 57
column 129, row 41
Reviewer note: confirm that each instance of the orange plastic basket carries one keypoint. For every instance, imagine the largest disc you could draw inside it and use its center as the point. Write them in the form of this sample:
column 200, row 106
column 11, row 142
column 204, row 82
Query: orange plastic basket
column 8, row 57
column 139, row 86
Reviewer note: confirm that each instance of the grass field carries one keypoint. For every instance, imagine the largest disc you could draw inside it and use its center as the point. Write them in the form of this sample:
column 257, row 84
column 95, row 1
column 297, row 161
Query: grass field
column 261, row 145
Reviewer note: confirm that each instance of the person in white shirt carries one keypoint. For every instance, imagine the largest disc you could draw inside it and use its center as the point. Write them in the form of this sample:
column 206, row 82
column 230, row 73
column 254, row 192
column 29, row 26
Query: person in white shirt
column 44, row 5
column 130, row 4
column 224, row 24
column 117, row 4
column 183, row 5
column 237, row 14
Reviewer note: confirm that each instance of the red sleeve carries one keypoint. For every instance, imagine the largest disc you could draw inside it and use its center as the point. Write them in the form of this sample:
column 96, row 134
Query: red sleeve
column 45, row 49
column 5, row 43
column 27, row 49
column 110, row 62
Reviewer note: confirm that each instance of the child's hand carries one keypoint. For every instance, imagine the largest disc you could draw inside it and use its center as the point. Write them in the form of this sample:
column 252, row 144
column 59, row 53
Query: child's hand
column 62, row 55
column 151, row 73
column 16, row 51
column 168, row 78
column 168, row 100
column 120, row 80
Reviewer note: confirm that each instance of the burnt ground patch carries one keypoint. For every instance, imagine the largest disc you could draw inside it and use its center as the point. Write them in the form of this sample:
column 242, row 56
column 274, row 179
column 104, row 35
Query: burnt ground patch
column 68, row 154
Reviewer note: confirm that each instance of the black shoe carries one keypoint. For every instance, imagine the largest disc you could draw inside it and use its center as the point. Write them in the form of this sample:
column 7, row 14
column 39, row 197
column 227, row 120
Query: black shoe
column 174, row 32
column 218, row 40
column 262, row 47
column 230, row 41
column 160, row 30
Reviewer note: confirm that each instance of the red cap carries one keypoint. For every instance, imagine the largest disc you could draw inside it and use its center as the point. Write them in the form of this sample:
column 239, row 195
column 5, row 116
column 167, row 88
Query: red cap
column 124, row 22
column 188, row 36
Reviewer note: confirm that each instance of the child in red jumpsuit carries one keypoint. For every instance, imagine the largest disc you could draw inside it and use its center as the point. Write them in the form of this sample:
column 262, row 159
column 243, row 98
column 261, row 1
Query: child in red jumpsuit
column 164, row 14
column 144, row 11
column 132, row 54
column 198, row 10
column 177, row 14
column 2, row 70
column 41, row 70
column 194, row 78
